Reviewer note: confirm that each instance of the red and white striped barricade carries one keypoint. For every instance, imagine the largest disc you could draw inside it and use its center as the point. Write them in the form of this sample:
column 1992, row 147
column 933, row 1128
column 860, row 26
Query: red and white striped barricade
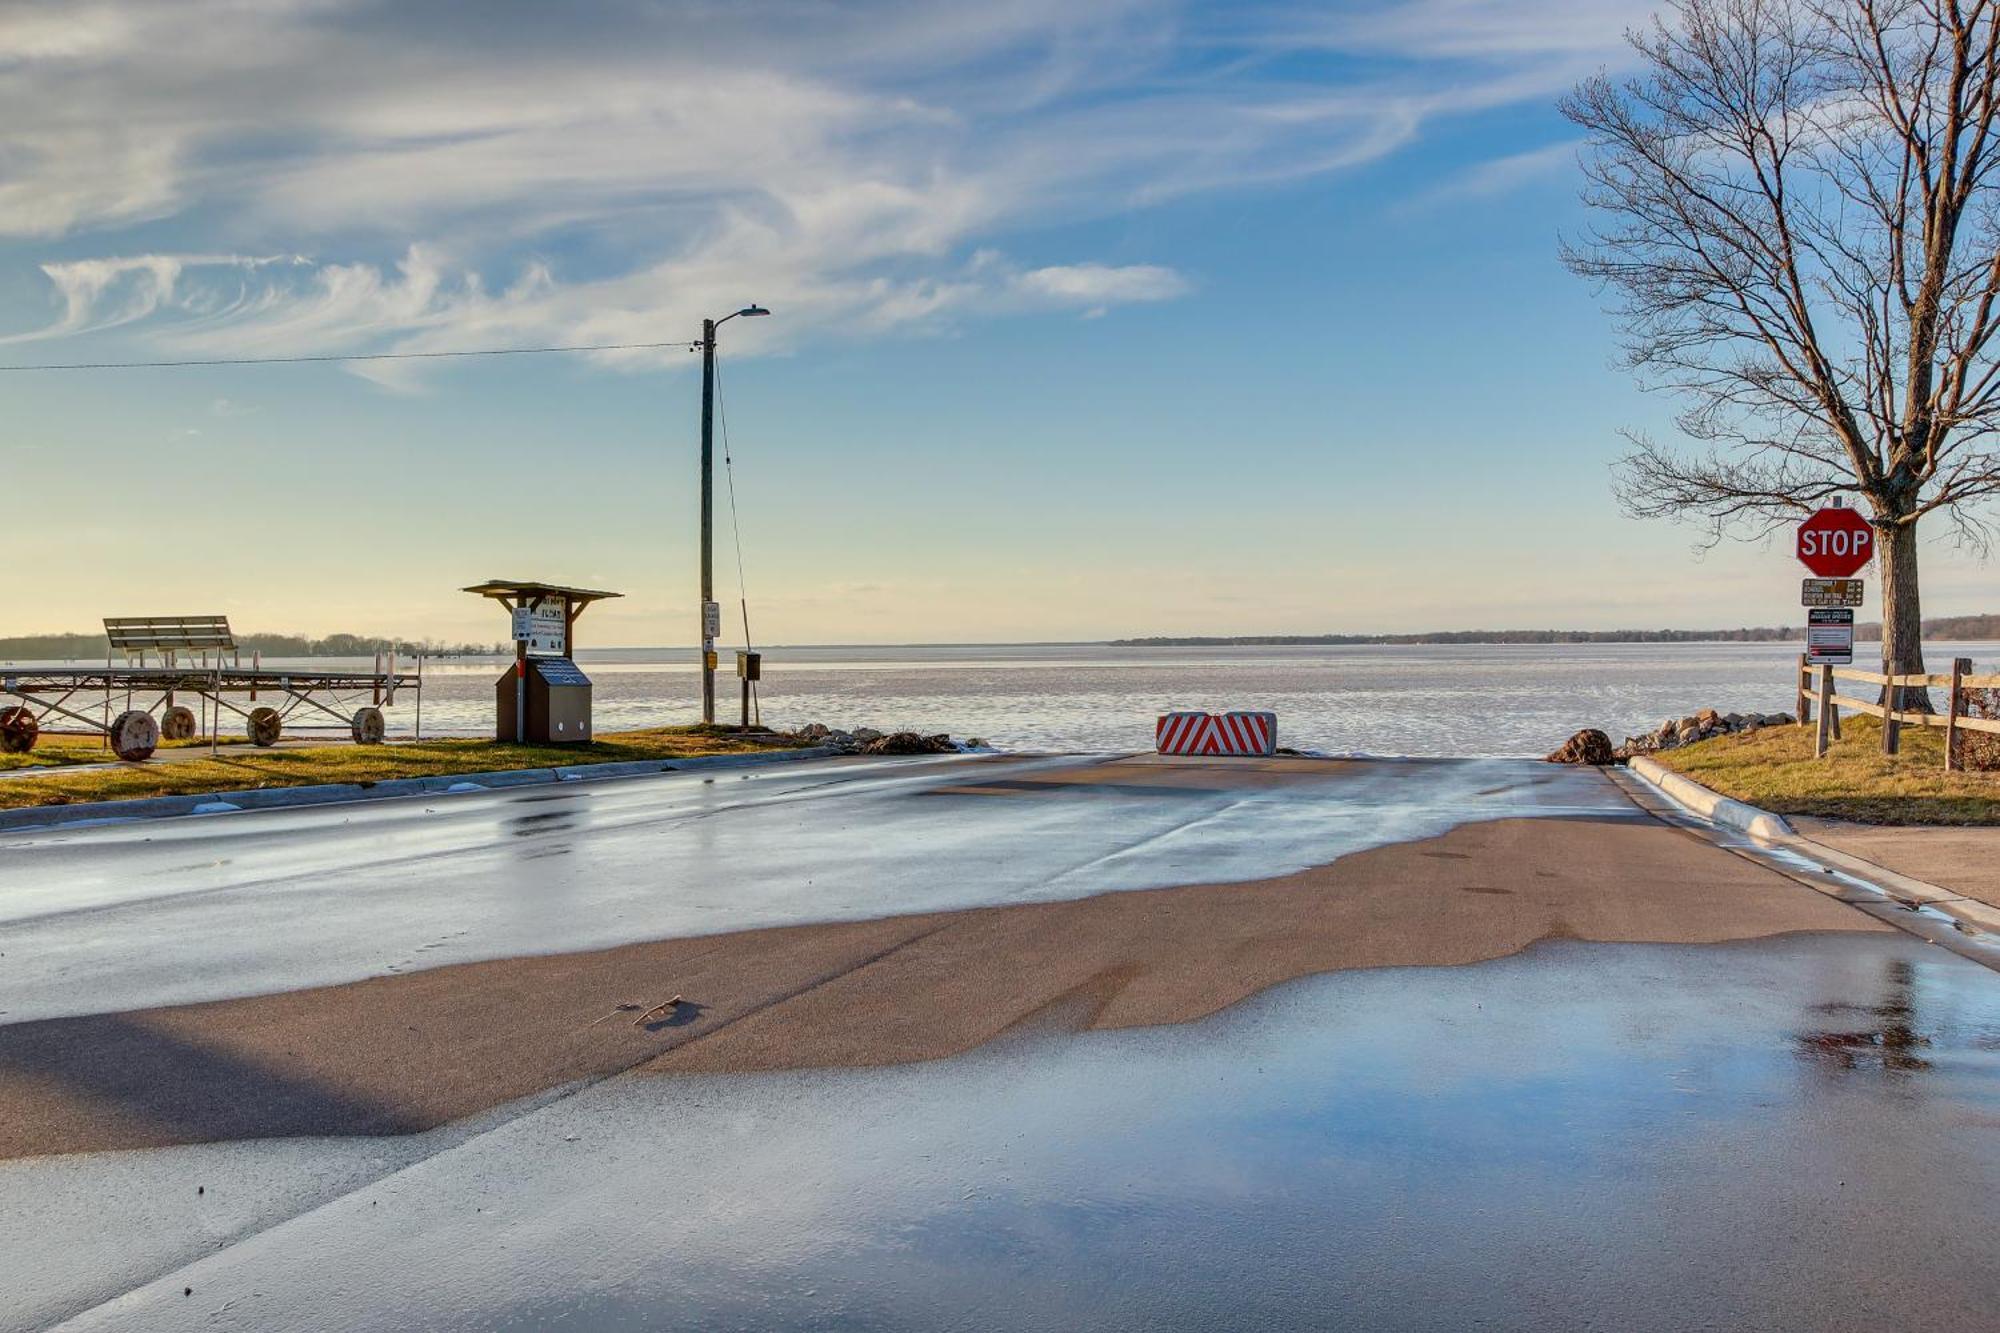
column 1240, row 734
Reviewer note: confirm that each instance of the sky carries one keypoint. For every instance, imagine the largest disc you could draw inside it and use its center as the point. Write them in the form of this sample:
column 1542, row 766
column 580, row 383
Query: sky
column 1094, row 319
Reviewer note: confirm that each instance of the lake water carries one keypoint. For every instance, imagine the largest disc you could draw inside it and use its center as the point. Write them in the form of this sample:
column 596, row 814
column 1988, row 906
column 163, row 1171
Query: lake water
column 1431, row 699
column 1424, row 700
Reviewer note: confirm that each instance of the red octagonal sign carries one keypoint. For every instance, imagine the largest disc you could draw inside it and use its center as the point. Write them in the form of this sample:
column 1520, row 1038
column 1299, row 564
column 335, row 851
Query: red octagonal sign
column 1836, row 543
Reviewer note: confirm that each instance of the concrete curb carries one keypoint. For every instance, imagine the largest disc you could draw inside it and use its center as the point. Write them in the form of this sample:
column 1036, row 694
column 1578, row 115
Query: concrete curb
column 1889, row 895
column 280, row 798
column 1712, row 805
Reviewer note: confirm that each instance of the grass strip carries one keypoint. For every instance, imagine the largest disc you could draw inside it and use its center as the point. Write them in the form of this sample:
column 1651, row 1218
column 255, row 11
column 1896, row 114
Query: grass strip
column 1774, row 768
column 247, row 769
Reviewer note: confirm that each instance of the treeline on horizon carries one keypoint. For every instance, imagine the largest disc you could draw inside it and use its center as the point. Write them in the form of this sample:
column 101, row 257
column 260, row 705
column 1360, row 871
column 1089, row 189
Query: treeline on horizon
column 94, row 647
column 1980, row 627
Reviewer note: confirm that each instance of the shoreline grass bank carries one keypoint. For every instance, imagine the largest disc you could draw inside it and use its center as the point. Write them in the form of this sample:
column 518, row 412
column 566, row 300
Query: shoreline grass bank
column 1773, row 768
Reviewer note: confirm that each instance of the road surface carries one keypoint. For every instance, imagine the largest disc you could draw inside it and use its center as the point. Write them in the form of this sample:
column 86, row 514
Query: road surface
column 1039, row 1042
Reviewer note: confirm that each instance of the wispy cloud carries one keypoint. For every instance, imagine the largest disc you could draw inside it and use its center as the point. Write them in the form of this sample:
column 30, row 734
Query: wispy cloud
column 1503, row 175
column 606, row 172
column 99, row 294
column 1099, row 284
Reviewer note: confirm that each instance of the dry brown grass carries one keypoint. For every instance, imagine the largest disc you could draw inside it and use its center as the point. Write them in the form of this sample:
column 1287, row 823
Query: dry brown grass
column 305, row 766
column 62, row 751
column 1774, row 768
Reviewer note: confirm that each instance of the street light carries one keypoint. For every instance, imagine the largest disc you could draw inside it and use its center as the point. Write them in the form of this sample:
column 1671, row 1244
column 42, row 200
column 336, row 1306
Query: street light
column 711, row 614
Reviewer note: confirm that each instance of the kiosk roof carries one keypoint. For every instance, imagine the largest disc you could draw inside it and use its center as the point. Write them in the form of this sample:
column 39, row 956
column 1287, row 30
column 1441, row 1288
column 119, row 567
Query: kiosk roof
column 578, row 597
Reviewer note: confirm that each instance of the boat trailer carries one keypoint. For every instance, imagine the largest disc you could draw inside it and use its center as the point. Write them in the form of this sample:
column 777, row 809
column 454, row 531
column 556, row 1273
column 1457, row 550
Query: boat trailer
column 154, row 696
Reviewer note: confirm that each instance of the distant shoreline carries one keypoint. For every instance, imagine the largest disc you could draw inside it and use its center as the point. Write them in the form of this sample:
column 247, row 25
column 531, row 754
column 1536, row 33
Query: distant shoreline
column 1961, row 628
column 1496, row 637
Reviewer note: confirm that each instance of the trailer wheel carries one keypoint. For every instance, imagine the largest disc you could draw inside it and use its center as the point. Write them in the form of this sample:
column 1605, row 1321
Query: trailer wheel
column 134, row 735
column 368, row 726
column 18, row 729
column 177, row 724
column 265, row 726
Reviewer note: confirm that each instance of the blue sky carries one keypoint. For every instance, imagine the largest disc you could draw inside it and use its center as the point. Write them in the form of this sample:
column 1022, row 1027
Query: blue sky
column 1090, row 319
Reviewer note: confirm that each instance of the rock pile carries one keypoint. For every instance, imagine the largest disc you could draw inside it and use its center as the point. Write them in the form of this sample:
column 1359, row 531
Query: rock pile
column 1678, row 731
column 867, row 740
column 1589, row 746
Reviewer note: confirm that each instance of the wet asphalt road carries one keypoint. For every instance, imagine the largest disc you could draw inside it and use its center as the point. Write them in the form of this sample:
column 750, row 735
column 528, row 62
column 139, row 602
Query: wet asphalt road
column 127, row 916
column 1782, row 1135
column 1800, row 1132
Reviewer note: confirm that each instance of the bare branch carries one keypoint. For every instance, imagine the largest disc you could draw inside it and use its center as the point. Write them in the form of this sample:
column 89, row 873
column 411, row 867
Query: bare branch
column 1797, row 215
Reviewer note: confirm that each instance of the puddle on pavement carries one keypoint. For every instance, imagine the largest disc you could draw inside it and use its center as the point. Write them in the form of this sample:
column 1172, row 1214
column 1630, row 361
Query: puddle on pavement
column 1802, row 1132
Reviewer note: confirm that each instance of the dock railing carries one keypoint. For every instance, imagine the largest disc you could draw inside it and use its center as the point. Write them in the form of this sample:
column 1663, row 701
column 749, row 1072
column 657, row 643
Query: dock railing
column 1816, row 696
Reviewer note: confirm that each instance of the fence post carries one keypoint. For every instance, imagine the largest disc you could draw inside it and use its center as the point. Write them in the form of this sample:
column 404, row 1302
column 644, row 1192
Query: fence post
column 1892, row 704
column 1826, row 713
column 1960, row 668
column 1802, row 682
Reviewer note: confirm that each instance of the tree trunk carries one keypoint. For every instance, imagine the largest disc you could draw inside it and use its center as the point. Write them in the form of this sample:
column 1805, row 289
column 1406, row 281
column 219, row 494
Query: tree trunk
column 1902, row 611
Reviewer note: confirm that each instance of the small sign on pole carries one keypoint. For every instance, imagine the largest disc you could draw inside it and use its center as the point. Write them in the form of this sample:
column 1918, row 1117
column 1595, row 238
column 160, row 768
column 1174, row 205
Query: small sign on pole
column 711, row 620
column 1829, row 636
column 1830, row 592
column 544, row 627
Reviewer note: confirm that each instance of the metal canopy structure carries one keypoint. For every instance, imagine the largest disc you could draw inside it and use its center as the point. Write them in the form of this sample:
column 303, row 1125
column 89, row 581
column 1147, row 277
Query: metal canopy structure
column 151, row 708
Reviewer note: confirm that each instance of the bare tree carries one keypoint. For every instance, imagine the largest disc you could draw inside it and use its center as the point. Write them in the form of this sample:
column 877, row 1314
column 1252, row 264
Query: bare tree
column 1798, row 218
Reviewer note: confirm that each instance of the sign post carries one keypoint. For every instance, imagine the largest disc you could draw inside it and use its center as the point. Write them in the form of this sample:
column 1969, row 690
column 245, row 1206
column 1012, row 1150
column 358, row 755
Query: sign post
column 711, row 630
column 1835, row 543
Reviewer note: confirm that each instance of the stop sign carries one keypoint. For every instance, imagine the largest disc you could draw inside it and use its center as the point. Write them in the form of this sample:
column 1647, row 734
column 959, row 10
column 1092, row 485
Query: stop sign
column 1836, row 543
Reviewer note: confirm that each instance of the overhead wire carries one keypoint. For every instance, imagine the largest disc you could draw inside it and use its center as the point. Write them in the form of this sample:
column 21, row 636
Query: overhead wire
column 729, row 470
column 735, row 526
column 349, row 356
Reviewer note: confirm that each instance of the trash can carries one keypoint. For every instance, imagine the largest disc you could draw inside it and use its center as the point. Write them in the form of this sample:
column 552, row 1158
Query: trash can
column 557, row 697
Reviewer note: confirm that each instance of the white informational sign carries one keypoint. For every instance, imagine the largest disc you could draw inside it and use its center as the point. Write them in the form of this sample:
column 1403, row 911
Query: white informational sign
column 1829, row 637
column 543, row 627
column 711, row 620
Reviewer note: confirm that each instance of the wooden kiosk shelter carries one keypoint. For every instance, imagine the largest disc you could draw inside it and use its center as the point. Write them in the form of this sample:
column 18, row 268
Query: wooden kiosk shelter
column 544, row 698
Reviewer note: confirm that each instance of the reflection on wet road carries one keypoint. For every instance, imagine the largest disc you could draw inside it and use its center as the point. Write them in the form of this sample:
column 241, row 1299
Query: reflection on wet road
column 1887, row 1034
column 128, row 916
column 1794, row 1133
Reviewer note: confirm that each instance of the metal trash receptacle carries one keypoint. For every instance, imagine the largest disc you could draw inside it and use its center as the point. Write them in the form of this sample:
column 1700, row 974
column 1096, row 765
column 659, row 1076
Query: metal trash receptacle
column 557, row 702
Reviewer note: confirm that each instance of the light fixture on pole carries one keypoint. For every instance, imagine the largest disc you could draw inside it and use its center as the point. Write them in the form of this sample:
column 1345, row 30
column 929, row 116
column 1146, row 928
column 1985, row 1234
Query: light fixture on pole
column 711, row 614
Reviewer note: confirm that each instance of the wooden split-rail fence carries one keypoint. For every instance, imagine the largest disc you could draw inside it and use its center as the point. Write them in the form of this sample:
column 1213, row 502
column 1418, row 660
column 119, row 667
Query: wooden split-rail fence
column 1816, row 688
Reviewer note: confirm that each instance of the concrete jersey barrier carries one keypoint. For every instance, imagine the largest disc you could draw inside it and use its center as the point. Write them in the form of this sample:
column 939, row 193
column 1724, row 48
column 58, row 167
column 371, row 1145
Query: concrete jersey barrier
column 1240, row 734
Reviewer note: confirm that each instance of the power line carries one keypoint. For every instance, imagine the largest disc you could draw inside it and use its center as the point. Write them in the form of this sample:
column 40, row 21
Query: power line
column 351, row 356
column 736, row 533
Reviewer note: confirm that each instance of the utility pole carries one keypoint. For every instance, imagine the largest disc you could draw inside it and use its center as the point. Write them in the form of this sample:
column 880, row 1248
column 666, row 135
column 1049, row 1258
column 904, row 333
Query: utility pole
column 707, row 520
column 710, row 620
